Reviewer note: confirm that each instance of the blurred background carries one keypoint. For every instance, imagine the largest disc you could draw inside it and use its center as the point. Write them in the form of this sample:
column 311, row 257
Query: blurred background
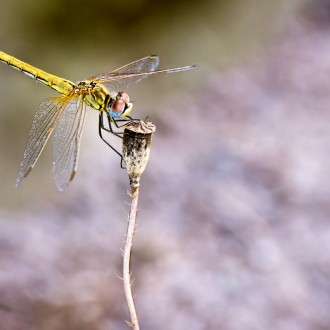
column 233, row 225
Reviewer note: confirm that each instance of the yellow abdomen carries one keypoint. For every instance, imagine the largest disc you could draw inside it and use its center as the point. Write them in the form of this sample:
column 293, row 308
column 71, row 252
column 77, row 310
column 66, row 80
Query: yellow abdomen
column 61, row 85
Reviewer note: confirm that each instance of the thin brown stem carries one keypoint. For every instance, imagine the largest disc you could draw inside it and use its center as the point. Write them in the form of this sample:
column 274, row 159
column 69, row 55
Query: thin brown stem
column 126, row 263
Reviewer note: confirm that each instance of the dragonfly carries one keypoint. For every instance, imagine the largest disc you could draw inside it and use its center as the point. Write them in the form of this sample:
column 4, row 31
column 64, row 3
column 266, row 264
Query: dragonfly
column 64, row 116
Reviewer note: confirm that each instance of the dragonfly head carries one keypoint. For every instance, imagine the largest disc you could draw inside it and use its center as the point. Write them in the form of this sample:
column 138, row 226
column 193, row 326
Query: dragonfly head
column 120, row 105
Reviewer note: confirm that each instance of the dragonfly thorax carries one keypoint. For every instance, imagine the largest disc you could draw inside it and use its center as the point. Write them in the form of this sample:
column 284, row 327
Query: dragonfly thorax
column 93, row 94
column 85, row 87
column 98, row 97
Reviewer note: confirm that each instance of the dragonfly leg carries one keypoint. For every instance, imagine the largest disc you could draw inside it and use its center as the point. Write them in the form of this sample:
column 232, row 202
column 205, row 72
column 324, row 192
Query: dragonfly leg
column 101, row 127
column 111, row 121
column 109, row 128
column 125, row 120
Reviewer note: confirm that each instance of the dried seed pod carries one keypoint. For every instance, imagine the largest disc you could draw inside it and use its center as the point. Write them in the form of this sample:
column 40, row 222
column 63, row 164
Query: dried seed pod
column 136, row 149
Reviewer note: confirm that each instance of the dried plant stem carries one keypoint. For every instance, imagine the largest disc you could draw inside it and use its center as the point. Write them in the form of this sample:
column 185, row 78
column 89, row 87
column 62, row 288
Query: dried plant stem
column 136, row 150
column 126, row 263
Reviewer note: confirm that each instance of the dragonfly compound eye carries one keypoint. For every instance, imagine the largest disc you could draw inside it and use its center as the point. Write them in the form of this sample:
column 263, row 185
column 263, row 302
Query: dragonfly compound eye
column 118, row 106
column 123, row 96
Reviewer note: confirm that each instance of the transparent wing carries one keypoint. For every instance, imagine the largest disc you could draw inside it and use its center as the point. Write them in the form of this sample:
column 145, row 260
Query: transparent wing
column 145, row 64
column 66, row 143
column 134, row 72
column 119, row 82
column 43, row 124
column 119, row 79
